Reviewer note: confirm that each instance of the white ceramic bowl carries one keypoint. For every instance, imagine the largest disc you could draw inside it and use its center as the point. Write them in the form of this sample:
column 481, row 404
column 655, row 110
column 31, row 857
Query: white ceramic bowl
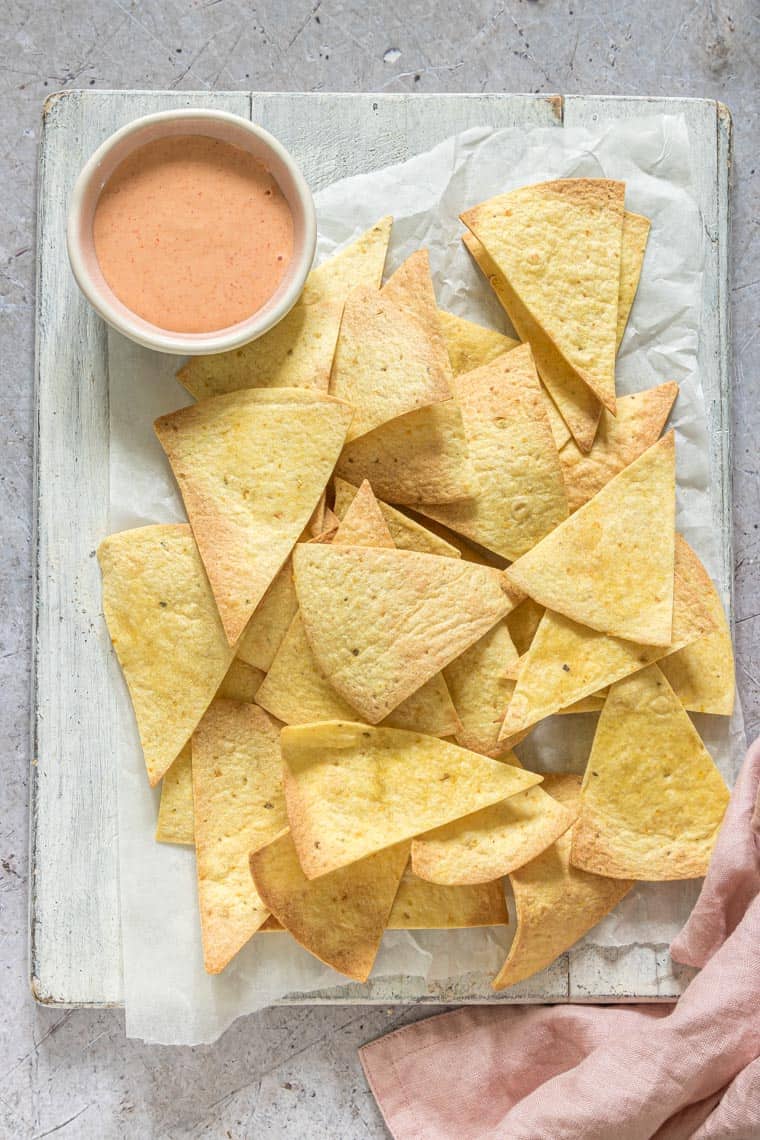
column 218, row 125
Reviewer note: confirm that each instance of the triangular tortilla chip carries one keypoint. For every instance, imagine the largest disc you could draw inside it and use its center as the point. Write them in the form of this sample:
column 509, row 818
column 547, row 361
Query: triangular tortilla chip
column 298, row 351
column 429, row 906
column 492, row 842
column 175, row 811
column 479, row 690
column 382, row 622
column 385, row 364
column 411, row 288
column 567, row 662
column 619, row 440
column 239, row 806
column 269, row 624
column 405, row 532
column 521, row 494
column 295, row 690
column 558, row 244
column 652, row 799
column 556, row 904
column 175, row 823
column 352, row 789
column 470, row 345
column 251, row 467
column 522, row 624
column 635, row 235
column 166, row 632
column 610, row 565
column 560, row 430
column 418, row 458
column 702, row 674
column 340, row 917
column 574, row 400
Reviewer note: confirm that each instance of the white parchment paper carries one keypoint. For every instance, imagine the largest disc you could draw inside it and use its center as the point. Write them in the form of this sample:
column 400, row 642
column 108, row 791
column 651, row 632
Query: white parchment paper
column 169, row 998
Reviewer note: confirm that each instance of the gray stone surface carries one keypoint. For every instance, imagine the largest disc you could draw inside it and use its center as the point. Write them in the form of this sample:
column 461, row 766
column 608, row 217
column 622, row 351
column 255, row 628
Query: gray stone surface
column 294, row 1072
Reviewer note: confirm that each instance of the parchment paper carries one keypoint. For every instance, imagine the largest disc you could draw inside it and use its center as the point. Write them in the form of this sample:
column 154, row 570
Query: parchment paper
column 169, row 998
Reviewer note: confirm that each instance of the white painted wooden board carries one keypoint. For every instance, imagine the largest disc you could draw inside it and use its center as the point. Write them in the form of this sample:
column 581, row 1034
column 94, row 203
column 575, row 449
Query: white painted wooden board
column 75, row 956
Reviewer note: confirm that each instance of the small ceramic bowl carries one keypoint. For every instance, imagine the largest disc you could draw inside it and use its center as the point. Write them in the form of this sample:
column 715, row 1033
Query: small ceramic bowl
column 218, row 125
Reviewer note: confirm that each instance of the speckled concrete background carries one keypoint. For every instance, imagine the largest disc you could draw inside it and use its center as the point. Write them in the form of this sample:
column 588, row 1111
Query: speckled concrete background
column 294, row 1072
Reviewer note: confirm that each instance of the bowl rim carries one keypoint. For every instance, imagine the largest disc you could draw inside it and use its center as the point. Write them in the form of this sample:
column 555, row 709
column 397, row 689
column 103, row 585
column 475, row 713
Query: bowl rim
column 179, row 343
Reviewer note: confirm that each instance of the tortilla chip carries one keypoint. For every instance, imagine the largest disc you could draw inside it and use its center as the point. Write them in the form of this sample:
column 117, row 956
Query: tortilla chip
column 635, row 236
column 298, row 351
column 619, row 440
column 610, row 565
column 295, row 690
column 567, row 662
column 411, row 288
column 175, row 823
column 594, row 703
column 574, row 400
column 702, row 673
column 652, row 799
column 521, row 493
column 241, row 682
column 166, row 631
column 340, row 917
column 428, row 906
column 558, row 244
column 522, row 624
column 269, row 624
column 239, row 806
column 418, row 458
column 251, row 467
column 479, row 691
column 385, row 364
column 556, row 904
column 352, row 789
column 382, row 622
column 405, row 532
column 560, row 430
column 470, row 345
column 492, row 842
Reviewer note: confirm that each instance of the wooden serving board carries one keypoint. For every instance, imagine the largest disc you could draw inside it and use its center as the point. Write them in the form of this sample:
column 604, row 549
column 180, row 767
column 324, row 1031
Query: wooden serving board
column 75, row 956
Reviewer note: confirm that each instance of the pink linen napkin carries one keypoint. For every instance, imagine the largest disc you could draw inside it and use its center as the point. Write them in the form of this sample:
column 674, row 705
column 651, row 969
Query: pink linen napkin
column 575, row 1072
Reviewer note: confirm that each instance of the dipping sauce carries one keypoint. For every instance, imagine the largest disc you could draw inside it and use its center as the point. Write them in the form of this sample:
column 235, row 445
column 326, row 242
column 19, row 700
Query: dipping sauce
column 192, row 233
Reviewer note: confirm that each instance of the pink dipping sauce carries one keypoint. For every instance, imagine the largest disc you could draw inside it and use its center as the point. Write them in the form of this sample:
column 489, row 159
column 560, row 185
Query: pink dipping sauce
column 192, row 233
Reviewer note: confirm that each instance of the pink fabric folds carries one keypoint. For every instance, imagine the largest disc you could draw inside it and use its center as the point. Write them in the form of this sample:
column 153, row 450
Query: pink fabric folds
column 576, row 1072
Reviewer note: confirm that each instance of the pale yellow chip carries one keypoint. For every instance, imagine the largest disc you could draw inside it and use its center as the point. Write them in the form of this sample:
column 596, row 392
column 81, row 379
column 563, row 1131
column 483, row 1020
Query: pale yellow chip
column 492, row 842
column 635, row 235
column 522, row 624
column 269, row 624
column 521, row 495
column 558, row 244
column 619, row 440
column 405, row 532
column 340, row 917
column 385, row 364
column 479, row 690
column 251, row 467
column 470, row 345
column 594, row 703
column 175, row 823
column 239, row 806
column 556, row 904
column 560, row 430
column 610, row 565
column 574, row 400
column 421, row 457
column 167, row 634
column 352, row 789
column 568, row 662
column 363, row 523
column 411, row 288
column 702, row 673
column 429, row 906
column 298, row 351
column 383, row 622
column 652, row 799
column 241, row 682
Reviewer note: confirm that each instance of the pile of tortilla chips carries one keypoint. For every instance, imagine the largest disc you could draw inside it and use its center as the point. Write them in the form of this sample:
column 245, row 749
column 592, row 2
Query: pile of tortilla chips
column 412, row 538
